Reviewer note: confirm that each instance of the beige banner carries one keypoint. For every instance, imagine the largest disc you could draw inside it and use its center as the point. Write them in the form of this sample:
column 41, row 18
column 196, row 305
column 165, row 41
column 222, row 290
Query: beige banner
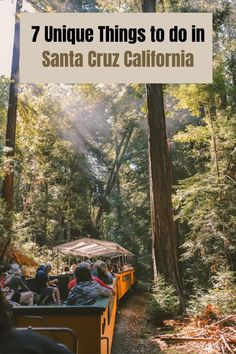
column 116, row 48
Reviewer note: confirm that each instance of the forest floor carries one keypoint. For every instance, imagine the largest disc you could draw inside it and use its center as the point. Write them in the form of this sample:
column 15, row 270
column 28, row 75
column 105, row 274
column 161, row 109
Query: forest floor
column 135, row 334
column 132, row 332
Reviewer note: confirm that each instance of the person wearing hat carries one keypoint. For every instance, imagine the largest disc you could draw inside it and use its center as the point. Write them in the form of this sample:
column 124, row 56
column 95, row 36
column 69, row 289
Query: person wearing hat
column 21, row 293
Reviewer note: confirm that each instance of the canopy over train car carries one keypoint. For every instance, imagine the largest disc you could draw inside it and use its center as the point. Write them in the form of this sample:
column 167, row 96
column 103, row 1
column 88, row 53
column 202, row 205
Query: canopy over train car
column 13, row 254
column 88, row 247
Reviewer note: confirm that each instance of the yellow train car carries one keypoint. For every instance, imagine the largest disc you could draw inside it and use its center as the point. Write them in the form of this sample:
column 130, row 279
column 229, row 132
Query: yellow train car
column 83, row 329
column 124, row 281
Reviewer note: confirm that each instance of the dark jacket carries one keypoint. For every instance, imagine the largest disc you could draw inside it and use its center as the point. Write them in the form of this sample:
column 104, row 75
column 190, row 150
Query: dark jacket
column 41, row 278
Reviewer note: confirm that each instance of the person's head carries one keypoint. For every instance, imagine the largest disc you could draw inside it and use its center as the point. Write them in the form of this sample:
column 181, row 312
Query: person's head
column 48, row 268
column 67, row 269
column 102, row 267
column 4, row 319
column 3, row 269
column 109, row 267
column 15, row 269
column 82, row 272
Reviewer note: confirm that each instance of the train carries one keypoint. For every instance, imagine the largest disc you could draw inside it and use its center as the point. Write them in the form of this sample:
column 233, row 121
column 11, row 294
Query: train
column 82, row 329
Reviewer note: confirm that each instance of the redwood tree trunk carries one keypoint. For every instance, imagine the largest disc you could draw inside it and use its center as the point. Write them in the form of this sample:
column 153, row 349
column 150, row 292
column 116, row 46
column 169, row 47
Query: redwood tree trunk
column 165, row 255
column 8, row 183
column 163, row 226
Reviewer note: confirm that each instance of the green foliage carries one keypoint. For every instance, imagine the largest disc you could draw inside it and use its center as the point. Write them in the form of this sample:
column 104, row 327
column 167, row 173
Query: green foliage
column 221, row 294
column 54, row 179
column 193, row 134
column 163, row 302
column 204, row 163
column 119, row 6
column 2, row 219
column 207, row 214
column 6, row 233
column 65, row 5
column 64, row 156
column 4, row 94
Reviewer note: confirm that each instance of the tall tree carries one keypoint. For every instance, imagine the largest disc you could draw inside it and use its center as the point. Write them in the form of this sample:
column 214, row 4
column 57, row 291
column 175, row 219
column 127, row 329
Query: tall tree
column 7, row 190
column 164, row 233
column 121, row 149
column 8, row 183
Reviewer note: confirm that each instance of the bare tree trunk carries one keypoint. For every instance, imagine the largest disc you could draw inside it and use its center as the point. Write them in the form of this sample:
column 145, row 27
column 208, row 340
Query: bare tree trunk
column 8, row 183
column 163, row 227
column 165, row 255
column 46, row 211
column 118, row 191
column 213, row 141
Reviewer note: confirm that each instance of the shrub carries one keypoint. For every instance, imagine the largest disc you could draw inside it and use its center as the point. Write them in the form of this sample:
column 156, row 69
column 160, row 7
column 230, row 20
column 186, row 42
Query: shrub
column 163, row 302
column 222, row 294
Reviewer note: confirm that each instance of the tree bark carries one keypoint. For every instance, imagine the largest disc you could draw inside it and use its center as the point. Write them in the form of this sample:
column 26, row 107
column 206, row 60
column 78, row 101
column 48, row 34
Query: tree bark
column 164, row 235
column 214, row 153
column 8, row 183
column 163, row 227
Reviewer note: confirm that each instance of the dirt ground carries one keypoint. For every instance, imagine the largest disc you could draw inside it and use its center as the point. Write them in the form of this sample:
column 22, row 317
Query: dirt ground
column 132, row 332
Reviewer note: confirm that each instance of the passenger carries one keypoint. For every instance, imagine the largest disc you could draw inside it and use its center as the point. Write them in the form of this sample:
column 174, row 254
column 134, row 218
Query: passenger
column 3, row 270
column 125, row 267
column 6, row 292
column 102, row 272
column 23, row 341
column 66, row 270
column 86, row 291
column 72, row 268
column 93, row 269
column 8, row 303
column 109, row 268
column 72, row 282
column 47, row 287
column 116, row 268
column 21, row 294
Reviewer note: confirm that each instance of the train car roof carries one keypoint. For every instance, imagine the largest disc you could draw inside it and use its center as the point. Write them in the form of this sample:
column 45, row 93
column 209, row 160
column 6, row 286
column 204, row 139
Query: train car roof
column 88, row 247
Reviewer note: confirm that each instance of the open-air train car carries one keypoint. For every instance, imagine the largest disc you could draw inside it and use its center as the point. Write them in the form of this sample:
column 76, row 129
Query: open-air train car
column 83, row 329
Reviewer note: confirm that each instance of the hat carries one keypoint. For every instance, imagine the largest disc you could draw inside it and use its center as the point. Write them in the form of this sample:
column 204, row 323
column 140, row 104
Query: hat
column 15, row 269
